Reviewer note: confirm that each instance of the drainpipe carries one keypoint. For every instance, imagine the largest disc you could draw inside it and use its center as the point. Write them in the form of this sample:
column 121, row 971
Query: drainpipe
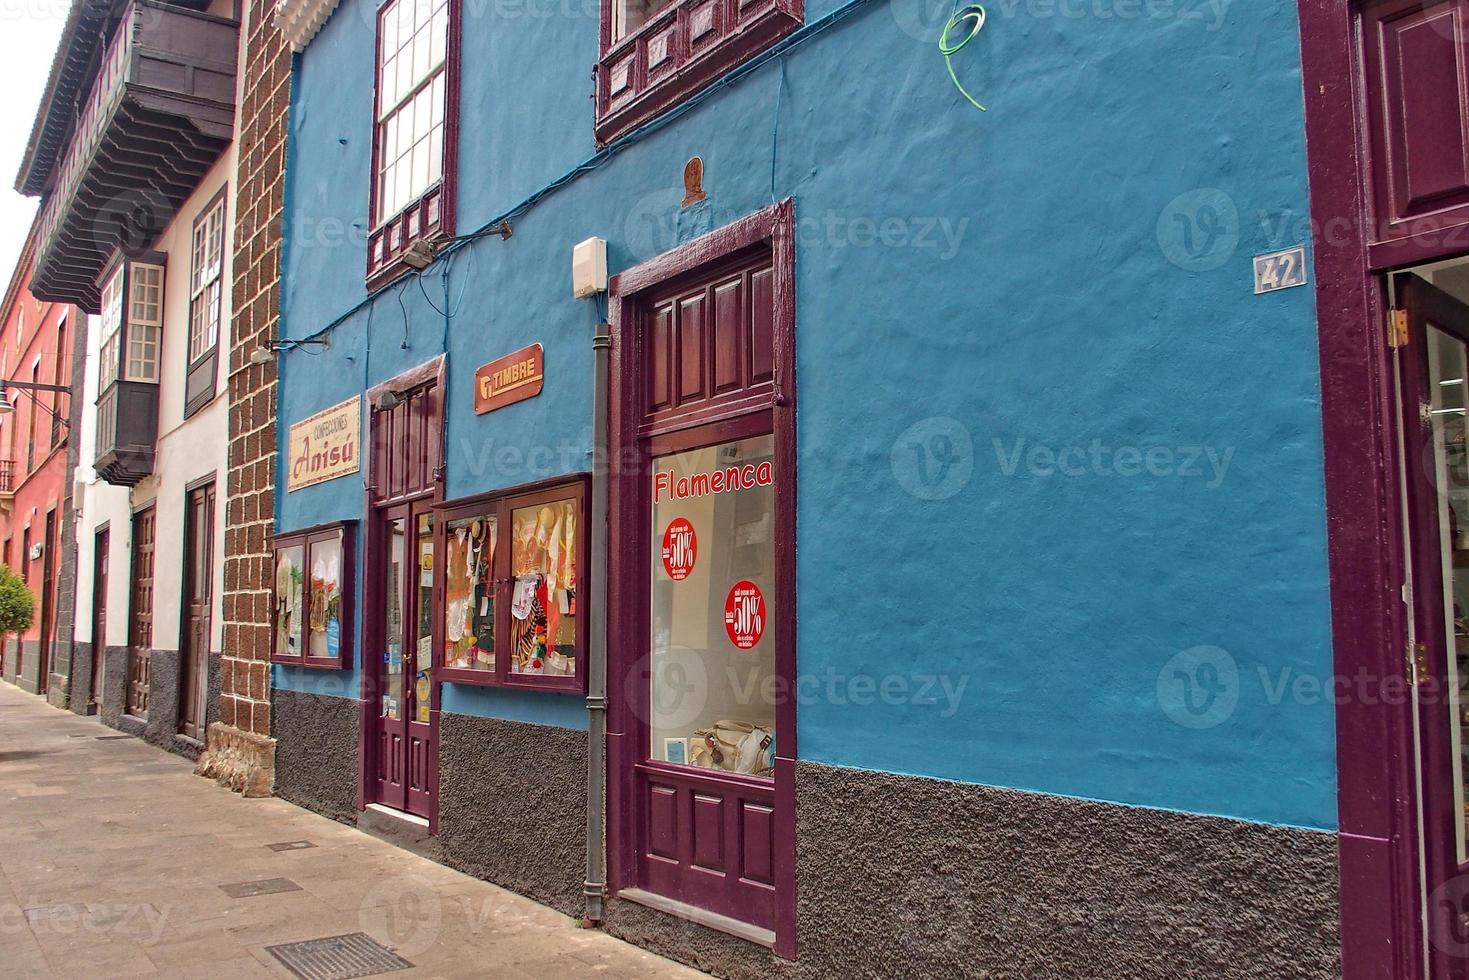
column 595, row 885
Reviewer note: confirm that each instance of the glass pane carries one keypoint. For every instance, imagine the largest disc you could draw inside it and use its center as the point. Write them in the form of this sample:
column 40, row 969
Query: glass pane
column 543, row 599
column 1447, row 365
column 326, row 599
column 424, row 660
column 289, row 573
column 393, row 634
column 713, row 607
column 469, row 595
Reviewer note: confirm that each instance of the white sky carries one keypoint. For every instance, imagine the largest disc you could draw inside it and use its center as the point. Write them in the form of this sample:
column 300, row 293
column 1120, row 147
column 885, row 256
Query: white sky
column 29, row 32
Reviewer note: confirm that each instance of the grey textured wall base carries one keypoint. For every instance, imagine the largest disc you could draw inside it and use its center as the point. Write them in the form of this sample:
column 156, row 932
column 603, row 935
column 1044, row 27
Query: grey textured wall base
column 28, row 678
column 81, row 680
column 900, row 876
column 316, row 752
column 161, row 727
column 512, row 805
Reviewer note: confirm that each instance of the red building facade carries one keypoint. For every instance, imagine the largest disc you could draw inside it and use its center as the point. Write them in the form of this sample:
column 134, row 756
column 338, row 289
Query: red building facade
column 35, row 348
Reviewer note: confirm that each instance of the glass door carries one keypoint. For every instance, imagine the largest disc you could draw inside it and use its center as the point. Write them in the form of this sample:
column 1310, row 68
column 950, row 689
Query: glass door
column 1433, row 371
column 406, row 754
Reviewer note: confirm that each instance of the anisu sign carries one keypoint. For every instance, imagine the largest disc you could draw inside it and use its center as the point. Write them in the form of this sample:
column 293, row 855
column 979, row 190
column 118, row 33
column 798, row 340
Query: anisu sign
column 325, row 446
column 746, row 476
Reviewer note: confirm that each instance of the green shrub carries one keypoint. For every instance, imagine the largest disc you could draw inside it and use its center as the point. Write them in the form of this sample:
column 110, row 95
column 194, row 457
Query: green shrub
column 17, row 605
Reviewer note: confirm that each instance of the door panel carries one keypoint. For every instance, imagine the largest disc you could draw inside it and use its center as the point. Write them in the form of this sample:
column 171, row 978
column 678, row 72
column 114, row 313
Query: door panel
column 407, row 756
column 101, row 555
column 1434, row 371
column 1418, row 97
column 48, row 600
column 140, row 627
column 198, row 600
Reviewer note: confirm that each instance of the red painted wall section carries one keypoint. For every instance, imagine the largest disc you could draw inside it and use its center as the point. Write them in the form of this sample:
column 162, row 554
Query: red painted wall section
column 32, row 463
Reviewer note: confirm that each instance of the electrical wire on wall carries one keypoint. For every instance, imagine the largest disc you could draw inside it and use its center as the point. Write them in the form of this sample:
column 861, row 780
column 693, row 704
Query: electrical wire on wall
column 954, row 39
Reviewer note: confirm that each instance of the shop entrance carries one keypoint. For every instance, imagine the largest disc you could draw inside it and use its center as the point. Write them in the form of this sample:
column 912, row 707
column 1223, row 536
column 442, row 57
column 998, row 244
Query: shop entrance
column 703, row 582
column 405, row 483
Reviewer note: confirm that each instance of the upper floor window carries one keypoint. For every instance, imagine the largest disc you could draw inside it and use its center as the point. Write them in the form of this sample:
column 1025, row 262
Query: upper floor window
column 412, row 194
column 132, row 324
column 58, row 378
column 656, row 53
column 206, row 305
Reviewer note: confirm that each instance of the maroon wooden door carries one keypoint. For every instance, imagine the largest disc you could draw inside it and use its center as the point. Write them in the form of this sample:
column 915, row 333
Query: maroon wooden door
column 100, row 557
column 140, row 612
column 48, row 600
column 401, row 601
column 703, row 582
column 402, row 724
column 198, row 600
column 1434, row 371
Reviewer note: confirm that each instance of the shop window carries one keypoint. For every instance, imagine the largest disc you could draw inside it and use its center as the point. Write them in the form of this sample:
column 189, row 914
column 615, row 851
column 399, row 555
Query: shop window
column 713, row 609
column 510, row 580
column 656, row 53
column 311, row 602
column 413, row 150
column 206, row 306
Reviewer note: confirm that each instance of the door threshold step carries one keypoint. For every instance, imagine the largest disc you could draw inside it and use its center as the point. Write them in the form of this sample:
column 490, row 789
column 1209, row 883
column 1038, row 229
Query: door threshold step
column 709, row 920
column 406, row 830
column 403, row 815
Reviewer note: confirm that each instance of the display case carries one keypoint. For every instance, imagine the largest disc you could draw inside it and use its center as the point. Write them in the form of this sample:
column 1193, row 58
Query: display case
column 311, row 600
column 513, row 568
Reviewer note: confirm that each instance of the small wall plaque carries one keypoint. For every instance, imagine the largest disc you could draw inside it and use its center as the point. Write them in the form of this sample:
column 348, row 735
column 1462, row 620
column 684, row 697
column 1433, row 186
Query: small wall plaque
column 693, row 182
column 509, row 379
column 1280, row 270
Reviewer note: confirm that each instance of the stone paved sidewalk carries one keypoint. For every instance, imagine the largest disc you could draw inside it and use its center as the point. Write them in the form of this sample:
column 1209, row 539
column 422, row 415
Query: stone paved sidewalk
column 112, row 854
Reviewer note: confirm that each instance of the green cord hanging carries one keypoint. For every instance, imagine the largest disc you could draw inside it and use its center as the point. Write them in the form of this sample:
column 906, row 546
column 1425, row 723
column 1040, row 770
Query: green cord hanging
column 974, row 15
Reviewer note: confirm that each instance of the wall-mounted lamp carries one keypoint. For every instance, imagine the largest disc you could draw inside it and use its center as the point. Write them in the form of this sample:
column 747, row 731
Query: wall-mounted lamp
column 264, row 355
column 420, row 255
column 387, row 400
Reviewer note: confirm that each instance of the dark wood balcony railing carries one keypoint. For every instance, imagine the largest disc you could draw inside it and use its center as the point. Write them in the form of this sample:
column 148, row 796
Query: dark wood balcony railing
column 7, row 476
column 159, row 113
column 127, row 429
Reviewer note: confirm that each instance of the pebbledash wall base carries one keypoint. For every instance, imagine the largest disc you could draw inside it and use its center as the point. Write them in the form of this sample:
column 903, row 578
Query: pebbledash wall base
column 160, row 726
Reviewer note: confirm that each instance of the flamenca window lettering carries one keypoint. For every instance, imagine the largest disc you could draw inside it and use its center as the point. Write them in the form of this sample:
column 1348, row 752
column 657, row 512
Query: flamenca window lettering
column 510, row 578
column 712, row 590
column 311, row 602
column 413, row 79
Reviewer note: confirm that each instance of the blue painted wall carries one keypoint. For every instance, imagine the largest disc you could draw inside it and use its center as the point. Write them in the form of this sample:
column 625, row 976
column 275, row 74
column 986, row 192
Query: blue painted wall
column 1060, row 489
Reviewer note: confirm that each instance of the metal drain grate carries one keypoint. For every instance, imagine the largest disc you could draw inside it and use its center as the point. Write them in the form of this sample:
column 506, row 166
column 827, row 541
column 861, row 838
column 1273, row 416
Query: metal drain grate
column 266, row 886
column 338, row 958
column 291, row 845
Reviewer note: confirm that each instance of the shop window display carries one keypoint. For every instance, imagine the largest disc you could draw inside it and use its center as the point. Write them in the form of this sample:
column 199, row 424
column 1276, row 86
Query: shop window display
column 311, row 601
column 509, row 585
column 712, row 608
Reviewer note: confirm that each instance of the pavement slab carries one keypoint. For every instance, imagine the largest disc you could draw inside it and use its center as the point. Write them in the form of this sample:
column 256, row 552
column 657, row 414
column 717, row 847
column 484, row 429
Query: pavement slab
column 114, row 858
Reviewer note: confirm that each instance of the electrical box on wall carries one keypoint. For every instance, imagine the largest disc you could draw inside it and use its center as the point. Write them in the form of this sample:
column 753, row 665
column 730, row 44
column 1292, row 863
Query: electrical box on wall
column 589, row 268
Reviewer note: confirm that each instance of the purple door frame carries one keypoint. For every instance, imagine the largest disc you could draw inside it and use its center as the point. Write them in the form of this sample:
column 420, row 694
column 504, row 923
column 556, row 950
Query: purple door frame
column 776, row 226
column 1381, row 923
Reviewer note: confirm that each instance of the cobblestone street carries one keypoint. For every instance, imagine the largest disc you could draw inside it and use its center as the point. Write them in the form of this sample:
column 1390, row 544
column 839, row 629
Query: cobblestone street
column 115, row 860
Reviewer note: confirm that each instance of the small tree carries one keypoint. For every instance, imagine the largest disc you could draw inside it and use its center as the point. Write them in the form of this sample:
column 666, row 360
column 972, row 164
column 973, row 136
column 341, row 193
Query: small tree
column 17, row 605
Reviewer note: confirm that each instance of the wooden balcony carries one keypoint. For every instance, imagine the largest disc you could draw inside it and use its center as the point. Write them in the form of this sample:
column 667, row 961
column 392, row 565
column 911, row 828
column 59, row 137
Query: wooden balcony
column 159, row 113
column 127, row 429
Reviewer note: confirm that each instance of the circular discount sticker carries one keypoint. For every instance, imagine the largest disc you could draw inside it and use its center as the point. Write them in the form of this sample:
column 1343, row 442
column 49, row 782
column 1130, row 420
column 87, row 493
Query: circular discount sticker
column 744, row 615
column 680, row 549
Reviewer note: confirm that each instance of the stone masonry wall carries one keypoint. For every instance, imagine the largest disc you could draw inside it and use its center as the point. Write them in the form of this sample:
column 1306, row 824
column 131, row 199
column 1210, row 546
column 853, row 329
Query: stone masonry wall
column 241, row 752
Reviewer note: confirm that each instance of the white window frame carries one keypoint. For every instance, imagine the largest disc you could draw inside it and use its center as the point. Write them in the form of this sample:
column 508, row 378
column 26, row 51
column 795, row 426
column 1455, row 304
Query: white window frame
column 206, row 281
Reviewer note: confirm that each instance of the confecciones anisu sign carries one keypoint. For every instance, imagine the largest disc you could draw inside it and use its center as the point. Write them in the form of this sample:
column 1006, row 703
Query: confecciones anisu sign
column 748, row 476
column 325, row 446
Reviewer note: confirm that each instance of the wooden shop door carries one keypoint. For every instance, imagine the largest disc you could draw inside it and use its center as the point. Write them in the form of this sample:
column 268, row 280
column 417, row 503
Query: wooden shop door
column 703, row 582
column 402, row 725
column 100, row 557
column 198, row 601
column 140, row 623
